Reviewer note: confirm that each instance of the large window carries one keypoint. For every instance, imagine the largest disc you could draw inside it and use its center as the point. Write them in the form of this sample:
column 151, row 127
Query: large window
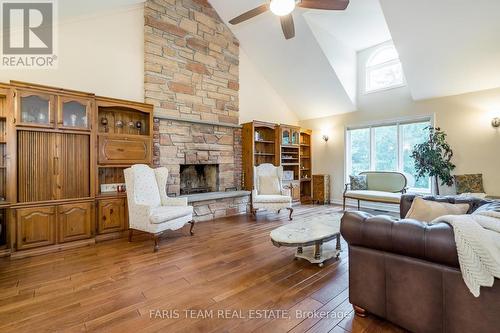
column 383, row 69
column 387, row 147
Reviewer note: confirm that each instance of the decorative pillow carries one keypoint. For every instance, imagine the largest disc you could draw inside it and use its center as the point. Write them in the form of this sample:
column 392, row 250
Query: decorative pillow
column 358, row 182
column 469, row 183
column 269, row 185
column 426, row 210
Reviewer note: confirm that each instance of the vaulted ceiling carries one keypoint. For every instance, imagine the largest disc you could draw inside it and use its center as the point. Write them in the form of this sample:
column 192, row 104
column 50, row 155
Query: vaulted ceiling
column 447, row 47
column 297, row 68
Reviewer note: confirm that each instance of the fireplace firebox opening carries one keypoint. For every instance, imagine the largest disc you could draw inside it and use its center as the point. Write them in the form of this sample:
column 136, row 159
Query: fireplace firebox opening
column 199, row 178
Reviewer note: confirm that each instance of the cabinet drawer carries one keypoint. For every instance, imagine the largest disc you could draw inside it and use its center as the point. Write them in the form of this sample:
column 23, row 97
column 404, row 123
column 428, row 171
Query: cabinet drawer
column 74, row 221
column 35, row 227
column 119, row 150
column 111, row 216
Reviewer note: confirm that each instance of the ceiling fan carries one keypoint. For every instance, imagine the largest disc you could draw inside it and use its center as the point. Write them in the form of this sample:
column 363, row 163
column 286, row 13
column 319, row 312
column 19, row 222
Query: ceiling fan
column 284, row 9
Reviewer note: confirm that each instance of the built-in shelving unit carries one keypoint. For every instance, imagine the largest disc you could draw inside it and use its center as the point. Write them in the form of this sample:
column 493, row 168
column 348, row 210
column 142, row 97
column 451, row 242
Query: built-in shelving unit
column 259, row 147
column 4, row 95
column 305, row 166
column 277, row 144
column 124, row 136
column 54, row 154
column 290, row 158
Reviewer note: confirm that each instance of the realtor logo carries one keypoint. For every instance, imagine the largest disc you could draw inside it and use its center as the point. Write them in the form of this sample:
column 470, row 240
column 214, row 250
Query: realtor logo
column 28, row 34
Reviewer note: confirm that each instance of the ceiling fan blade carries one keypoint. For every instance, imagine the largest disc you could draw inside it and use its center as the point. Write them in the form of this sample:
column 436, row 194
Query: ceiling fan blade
column 288, row 26
column 324, row 4
column 251, row 13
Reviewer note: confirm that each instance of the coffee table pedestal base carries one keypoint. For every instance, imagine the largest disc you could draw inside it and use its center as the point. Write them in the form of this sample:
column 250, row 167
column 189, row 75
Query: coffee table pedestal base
column 326, row 251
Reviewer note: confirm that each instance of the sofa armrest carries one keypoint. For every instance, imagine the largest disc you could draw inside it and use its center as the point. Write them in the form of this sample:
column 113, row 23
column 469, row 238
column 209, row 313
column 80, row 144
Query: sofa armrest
column 434, row 243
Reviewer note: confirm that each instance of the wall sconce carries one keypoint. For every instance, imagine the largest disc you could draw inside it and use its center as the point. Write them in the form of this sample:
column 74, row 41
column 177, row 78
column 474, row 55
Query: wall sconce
column 326, row 137
column 495, row 122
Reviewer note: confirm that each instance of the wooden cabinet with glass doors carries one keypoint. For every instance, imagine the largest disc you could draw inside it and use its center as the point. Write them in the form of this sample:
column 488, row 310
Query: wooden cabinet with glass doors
column 50, row 178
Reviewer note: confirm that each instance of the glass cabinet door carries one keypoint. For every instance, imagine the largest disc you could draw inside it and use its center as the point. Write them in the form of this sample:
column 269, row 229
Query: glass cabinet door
column 285, row 136
column 35, row 109
column 74, row 113
column 295, row 137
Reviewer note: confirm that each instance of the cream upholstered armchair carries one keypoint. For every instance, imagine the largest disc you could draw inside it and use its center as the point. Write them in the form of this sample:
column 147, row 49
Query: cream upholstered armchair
column 149, row 208
column 268, row 192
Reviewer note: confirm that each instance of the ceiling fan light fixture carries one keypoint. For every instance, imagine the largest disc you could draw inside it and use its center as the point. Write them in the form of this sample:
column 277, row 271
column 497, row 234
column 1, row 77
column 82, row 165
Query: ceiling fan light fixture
column 282, row 7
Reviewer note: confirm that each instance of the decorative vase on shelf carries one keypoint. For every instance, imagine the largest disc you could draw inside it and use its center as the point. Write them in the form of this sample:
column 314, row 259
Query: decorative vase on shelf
column 104, row 122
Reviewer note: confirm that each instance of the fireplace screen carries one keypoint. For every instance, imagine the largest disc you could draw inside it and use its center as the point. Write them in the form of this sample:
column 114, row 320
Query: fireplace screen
column 199, row 178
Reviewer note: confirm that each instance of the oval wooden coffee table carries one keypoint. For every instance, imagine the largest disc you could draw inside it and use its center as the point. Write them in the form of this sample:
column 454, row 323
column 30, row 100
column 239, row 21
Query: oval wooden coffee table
column 316, row 240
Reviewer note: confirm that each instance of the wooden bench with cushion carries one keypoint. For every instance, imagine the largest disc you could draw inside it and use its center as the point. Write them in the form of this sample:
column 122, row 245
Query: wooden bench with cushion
column 382, row 186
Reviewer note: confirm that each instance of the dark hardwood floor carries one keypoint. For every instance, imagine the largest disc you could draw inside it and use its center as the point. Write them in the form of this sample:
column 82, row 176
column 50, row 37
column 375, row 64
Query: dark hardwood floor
column 230, row 264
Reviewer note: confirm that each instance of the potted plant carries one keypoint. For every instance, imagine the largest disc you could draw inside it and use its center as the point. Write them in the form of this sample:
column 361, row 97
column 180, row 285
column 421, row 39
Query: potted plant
column 433, row 158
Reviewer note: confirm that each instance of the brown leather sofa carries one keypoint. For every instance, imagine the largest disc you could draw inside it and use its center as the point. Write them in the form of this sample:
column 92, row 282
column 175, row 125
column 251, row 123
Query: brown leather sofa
column 408, row 273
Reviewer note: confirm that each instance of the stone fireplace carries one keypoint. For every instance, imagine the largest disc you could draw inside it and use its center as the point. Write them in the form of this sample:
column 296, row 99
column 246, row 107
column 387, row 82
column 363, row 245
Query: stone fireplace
column 199, row 178
column 191, row 77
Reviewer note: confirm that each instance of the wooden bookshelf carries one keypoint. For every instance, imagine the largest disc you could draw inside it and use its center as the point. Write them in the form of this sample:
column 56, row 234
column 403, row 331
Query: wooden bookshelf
column 259, row 146
column 290, row 158
column 281, row 145
column 305, row 166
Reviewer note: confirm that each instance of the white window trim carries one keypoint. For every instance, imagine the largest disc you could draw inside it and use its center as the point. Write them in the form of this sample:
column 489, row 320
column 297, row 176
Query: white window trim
column 398, row 122
column 368, row 69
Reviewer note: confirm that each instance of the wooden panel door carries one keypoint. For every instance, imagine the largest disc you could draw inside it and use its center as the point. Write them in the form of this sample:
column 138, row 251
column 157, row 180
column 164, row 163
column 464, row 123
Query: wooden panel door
column 35, row 227
column 37, row 166
column 124, row 150
column 73, row 166
column 111, row 215
column 74, row 221
column 34, row 109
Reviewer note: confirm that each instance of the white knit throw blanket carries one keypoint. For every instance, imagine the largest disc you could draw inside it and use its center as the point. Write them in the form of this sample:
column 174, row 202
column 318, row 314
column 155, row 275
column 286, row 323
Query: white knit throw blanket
column 478, row 245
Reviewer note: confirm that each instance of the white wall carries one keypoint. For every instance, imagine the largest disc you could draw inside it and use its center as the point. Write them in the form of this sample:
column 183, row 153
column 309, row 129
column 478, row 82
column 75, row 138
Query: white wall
column 465, row 118
column 101, row 53
column 258, row 99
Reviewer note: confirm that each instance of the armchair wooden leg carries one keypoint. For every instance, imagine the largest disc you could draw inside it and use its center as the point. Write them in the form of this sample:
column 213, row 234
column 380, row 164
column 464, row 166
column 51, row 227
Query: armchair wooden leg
column 344, row 205
column 359, row 206
column 279, row 211
column 191, row 229
column 360, row 312
column 291, row 212
column 130, row 232
column 156, row 238
column 254, row 214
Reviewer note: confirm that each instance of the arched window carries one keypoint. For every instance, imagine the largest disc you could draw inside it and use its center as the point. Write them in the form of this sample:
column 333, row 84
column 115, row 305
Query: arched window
column 383, row 69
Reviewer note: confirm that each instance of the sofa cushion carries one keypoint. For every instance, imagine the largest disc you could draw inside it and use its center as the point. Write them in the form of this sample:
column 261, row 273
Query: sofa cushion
column 269, row 185
column 426, row 211
column 272, row 199
column 358, row 182
column 374, row 196
column 168, row 213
